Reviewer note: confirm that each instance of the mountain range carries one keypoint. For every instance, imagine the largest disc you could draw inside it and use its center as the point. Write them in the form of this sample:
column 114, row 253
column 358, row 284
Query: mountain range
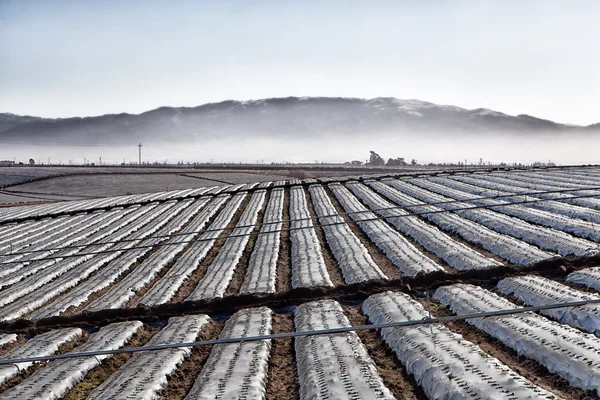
column 290, row 117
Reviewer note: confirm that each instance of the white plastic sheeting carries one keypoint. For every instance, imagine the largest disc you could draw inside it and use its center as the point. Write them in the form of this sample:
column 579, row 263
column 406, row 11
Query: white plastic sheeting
column 456, row 254
column 59, row 376
column 548, row 219
column 352, row 256
column 146, row 373
column 186, row 263
column 116, row 220
column 444, row 364
column 492, row 189
column 237, row 370
column 400, row 251
column 219, row 273
column 118, row 229
column 589, row 277
column 543, row 237
column 7, row 338
column 509, row 248
column 44, row 344
column 119, row 294
column 308, row 263
column 565, row 351
column 57, row 279
column 335, row 366
column 262, row 266
column 116, row 267
column 538, row 291
column 524, row 186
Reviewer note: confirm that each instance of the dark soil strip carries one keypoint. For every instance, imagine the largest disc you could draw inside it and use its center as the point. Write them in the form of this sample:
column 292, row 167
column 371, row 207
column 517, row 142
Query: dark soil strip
column 242, row 266
column 527, row 368
column 283, row 279
column 354, row 292
column 394, row 375
column 384, row 263
column 63, row 349
column 186, row 373
column 189, row 285
column 334, row 271
column 282, row 381
column 108, row 366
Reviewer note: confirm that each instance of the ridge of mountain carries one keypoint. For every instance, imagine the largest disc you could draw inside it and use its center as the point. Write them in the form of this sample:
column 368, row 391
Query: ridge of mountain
column 277, row 117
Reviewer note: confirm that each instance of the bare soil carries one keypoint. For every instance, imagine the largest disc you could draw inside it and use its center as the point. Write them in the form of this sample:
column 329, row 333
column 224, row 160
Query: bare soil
column 282, row 381
column 283, row 280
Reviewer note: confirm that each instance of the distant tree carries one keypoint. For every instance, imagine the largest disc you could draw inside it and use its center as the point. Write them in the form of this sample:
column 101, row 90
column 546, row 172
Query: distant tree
column 413, row 162
column 31, row 161
column 396, row 162
column 356, row 162
column 375, row 159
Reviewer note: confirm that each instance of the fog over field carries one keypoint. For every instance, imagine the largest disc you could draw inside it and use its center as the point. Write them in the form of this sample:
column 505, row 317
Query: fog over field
column 559, row 148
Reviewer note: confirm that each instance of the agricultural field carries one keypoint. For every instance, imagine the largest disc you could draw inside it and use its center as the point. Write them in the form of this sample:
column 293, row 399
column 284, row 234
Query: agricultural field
column 110, row 185
column 21, row 174
column 254, row 258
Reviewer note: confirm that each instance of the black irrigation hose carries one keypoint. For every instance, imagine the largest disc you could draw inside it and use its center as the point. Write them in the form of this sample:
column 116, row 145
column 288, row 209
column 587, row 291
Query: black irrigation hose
column 400, row 324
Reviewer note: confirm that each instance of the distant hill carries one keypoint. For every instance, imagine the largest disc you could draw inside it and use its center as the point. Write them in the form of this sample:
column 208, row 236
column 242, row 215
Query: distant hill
column 276, row 118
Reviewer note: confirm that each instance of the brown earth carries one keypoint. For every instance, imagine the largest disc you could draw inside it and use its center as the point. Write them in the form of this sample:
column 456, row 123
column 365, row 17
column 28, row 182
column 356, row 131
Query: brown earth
column 283, row 280
column 282, row 383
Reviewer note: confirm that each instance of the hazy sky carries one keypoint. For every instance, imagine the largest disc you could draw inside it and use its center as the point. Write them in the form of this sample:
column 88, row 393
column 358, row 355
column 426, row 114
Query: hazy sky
column 77, row 58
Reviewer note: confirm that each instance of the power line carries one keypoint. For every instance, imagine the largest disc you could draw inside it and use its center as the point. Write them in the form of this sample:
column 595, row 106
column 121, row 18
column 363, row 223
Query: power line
column 411, row 214
column 373, row 210
column 399, row 324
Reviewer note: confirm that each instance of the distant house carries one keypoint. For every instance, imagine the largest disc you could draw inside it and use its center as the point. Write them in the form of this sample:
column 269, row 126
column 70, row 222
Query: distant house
column 6, row 162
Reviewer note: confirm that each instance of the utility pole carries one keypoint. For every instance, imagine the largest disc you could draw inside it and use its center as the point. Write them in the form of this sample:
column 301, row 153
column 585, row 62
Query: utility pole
column 140, row 154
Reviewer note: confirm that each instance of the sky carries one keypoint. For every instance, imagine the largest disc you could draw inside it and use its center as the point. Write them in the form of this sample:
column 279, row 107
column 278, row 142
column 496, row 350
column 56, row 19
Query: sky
column 80, row 58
